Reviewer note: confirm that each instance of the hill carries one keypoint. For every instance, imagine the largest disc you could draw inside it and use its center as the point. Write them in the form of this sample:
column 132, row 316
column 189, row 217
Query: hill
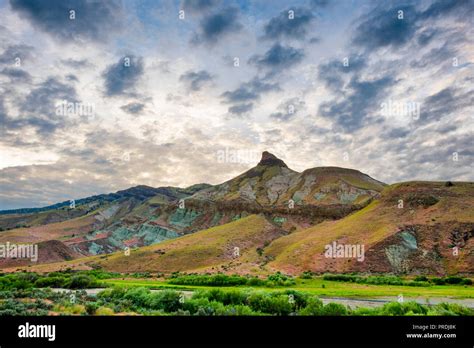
column 412, row 228
column 272, row 183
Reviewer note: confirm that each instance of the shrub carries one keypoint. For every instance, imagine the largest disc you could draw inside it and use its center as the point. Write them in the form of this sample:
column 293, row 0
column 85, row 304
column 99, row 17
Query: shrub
column 421, row 279
column 50, row 282
column 113, row 293
column 193, row 305
column 139, row 297
column 280, row 280
column 238, row 310
column 314, row 306
column 91, row 308
column 453, row 280
column 392, row 308
column 300, row 299
column 104, row 311
column 271, row 304
column 74, row 309
column 334, row 309
column 80, row 281
column 209, row 280
column 450, row 309
column 233, row 297
column 167, row 300
column 438, row 281
column 254, row 281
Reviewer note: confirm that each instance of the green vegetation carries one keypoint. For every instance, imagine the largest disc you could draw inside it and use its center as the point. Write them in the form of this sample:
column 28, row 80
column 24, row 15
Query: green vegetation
column 394, row 280
column 216, row 294
column 213, row 302
column 318, row 286
column 277, row 279
column 68, row 280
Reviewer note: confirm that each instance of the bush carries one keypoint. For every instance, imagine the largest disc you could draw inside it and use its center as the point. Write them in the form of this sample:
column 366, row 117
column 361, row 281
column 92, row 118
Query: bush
column 50, row 282
column 306, row 275
column 314, row 306
column 91, row 308
column 453, row 280
column 167, row 300
column 334, row 309
column 392, row 308
column 438, row 281
column 271, row 304
column 209, row 280
column 421, row 279
column 104, row 311
column 279, row 279
column 80, row 281
column 300, row 299
column 238, row 310
column 138, row 297
column 193, row 305
column 254, row 281
column 450, row 309
column 233, row 297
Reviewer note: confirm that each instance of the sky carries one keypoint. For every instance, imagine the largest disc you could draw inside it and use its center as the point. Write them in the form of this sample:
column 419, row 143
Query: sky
column 99, row 96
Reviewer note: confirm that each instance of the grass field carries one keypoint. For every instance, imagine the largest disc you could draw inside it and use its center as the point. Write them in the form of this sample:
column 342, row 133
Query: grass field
column 318, row 286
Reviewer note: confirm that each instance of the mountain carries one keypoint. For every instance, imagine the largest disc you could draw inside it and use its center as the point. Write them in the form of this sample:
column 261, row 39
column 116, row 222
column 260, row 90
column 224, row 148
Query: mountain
column 272, row 183
column 278, row 218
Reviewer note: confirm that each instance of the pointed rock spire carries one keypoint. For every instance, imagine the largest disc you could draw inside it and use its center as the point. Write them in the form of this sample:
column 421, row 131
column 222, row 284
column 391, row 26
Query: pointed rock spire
column 269, row 159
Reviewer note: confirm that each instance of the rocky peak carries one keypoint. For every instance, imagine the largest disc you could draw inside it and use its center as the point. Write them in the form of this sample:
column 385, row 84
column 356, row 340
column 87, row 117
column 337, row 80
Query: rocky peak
column 269, row 159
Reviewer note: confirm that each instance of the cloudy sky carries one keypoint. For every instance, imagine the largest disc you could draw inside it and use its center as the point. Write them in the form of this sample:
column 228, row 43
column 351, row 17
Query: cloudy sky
column 98, row 96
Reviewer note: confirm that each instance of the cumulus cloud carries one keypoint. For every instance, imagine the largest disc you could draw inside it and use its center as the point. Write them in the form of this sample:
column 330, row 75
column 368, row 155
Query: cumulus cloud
column 383, row 28
column 217, row 25
column 278, row 57
column 16, row 75
column 133, row 108
column 246, row 94
column 447, row 101
column 195, row 80
column 335, row 72
column 288, row 109
column 288, row 24
column 122, row 77
column 12, row 53
column 240, row 109
column 91, row 20
column 353, row 110
column 38, row 109
column 396, row 26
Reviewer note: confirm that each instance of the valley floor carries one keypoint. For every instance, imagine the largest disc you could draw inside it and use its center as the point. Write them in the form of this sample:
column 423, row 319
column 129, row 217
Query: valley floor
column 104, row 293
column 332, row 289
